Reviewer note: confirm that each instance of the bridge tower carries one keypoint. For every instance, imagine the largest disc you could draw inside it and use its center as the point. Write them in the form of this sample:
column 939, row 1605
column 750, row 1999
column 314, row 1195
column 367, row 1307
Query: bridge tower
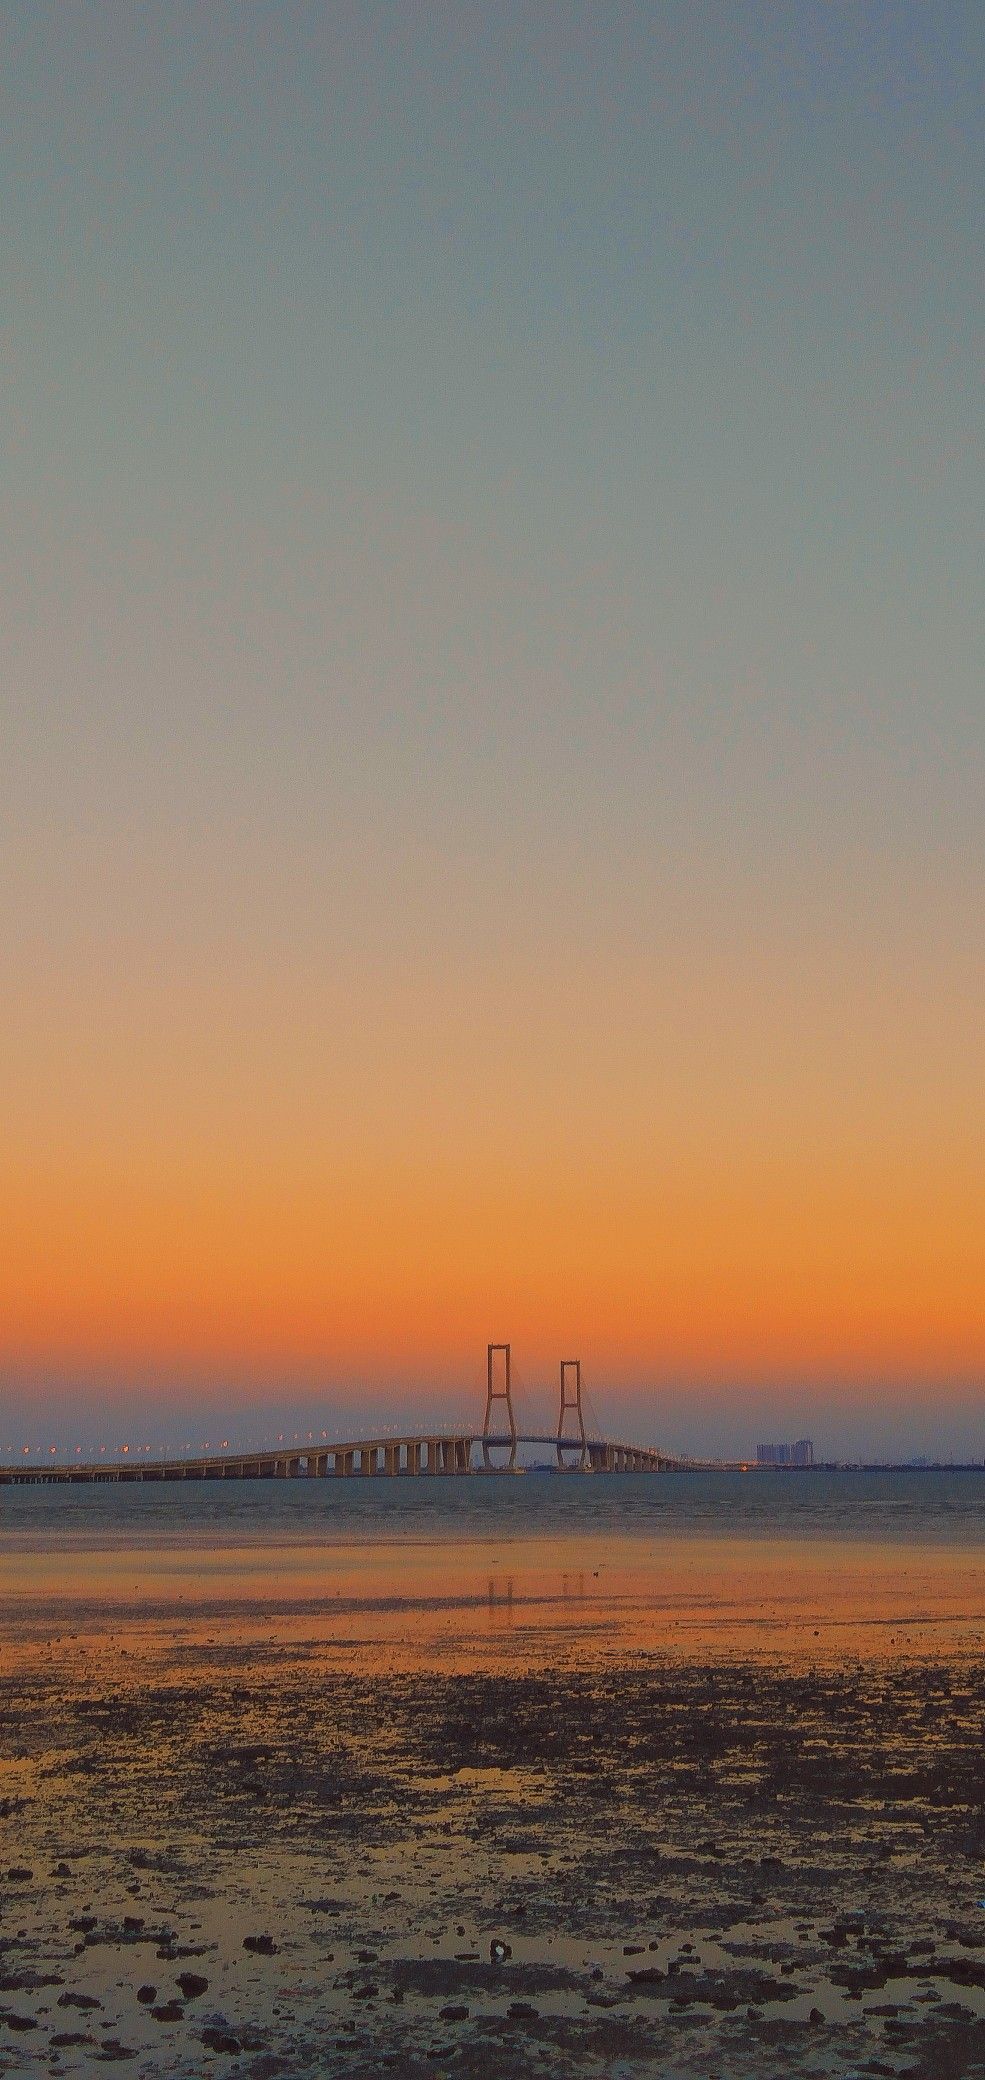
column 571, row 1405
column 499, row 1393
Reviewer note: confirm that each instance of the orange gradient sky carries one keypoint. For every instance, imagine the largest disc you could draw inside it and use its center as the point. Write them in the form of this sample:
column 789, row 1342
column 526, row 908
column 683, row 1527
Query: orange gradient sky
column 698, row 1156
column 493, row 752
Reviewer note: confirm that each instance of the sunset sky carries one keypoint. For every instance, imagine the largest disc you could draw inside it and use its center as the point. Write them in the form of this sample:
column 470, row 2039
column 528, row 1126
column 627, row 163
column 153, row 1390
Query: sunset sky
column 492, row 714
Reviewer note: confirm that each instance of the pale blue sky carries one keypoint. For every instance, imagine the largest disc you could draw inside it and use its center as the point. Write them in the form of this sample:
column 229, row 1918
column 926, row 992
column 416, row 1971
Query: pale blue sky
column 501, row 477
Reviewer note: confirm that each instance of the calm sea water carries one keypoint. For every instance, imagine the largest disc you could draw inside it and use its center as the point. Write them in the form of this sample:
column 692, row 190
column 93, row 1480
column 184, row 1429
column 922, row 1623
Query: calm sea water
column 908, row 1506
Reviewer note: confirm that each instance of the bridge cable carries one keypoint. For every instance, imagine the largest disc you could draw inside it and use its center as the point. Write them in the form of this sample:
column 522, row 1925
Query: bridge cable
column 593, row 1426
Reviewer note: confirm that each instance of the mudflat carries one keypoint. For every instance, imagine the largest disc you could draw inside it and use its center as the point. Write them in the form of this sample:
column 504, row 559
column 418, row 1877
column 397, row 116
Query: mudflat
column 678, row 1777
column 238, row 1843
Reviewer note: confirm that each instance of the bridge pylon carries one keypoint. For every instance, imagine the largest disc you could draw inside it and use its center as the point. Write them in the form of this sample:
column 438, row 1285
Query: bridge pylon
column 571, row 1405
column 499, row 1393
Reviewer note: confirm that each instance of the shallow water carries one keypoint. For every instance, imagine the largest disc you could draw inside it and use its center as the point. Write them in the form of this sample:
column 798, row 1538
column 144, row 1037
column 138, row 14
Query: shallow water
column 471, row 1568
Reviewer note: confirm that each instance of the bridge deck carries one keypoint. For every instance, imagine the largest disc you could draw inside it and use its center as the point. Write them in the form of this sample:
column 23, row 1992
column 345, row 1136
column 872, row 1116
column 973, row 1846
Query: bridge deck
column 442, row 1452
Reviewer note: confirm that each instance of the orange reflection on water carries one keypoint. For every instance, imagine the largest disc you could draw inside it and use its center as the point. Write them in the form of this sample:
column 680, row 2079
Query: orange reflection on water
column 593, row 1599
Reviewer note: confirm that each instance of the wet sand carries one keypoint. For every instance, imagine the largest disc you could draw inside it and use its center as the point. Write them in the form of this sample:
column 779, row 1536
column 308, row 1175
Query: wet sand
column 535, row 1808
column 525, row 1596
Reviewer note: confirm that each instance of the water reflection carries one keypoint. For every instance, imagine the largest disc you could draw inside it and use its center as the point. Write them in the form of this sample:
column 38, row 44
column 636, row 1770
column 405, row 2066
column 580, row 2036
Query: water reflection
column 499, row 1603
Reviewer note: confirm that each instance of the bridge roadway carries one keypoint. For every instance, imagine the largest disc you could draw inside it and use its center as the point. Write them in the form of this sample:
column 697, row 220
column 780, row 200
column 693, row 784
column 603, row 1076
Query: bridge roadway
column 442, row 1453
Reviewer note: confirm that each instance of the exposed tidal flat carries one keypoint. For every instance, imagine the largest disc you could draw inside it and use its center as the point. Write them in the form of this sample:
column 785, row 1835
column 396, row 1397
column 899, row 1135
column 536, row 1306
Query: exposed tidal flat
column 675, row 1775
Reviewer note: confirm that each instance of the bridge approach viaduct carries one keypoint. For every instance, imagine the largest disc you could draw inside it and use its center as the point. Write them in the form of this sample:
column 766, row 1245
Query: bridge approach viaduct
column 493, row 1450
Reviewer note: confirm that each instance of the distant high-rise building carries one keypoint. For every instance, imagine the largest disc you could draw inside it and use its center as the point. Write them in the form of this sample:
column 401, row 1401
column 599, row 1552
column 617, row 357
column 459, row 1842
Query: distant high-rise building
column 799, row 1454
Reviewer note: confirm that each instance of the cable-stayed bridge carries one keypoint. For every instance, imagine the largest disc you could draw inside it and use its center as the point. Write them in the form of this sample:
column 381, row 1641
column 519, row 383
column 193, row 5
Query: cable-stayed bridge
column 493, row 1449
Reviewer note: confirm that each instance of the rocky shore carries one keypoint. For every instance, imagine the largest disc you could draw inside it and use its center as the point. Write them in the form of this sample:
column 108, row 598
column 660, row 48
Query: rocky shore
column 256, row 1862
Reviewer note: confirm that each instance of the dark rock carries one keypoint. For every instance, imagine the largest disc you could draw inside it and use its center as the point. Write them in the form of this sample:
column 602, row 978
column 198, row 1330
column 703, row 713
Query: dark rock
column 866, row 1978
column 27, row 1982
column 221, row 2040
column 962, row 1971
column 725, row 1991
column 455, row 2012
column 147, row 1995
column 192, row 1985
column 261, row 1946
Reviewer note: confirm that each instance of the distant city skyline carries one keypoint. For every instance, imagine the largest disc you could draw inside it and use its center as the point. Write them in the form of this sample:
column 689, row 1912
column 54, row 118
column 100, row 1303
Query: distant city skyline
column 492, row 749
